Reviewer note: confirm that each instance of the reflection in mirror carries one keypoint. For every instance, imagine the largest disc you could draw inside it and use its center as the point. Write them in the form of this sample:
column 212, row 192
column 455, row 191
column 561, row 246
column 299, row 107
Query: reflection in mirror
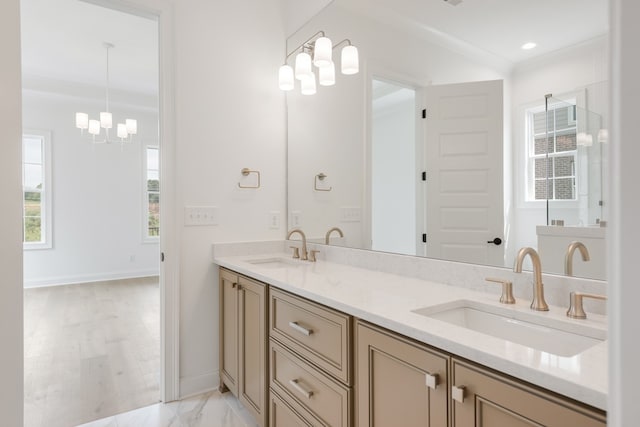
column 367, row 135
column 393, row 169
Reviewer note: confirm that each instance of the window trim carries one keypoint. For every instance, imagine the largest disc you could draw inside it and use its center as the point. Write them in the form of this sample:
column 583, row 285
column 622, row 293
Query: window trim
column 145, row 196
column 46, row 198
column 529, row 178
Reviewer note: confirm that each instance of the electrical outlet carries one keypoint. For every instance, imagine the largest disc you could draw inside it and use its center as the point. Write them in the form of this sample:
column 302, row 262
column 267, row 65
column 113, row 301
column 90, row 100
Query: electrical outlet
column 295, row 219
column 274, row 220
column 200, row 215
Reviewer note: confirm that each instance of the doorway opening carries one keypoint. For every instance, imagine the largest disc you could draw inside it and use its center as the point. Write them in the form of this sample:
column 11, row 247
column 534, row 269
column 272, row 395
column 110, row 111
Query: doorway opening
column 91, row 212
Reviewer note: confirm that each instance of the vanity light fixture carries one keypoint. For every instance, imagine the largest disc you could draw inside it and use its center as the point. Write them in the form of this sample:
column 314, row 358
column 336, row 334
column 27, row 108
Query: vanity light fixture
column 124, row 131
column 317, row 51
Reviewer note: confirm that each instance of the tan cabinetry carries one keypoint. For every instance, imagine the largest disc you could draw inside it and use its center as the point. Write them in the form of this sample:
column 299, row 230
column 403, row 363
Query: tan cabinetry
column 310, row 361
column 485, row 398
column 243, row 343
column 398, row 381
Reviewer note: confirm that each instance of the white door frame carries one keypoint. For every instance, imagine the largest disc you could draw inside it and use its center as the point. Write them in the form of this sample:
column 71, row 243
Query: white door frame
column 162, row 11
column 380, row 72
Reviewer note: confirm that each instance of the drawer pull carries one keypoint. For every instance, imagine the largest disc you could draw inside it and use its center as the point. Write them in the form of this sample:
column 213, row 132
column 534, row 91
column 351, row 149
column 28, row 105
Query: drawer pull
column 306, row 393
column 300, row 329
column 431, row 381
column 457, row 393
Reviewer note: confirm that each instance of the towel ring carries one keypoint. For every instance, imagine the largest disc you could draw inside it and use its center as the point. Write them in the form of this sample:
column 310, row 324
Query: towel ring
column 321, row 176
column 247, row 172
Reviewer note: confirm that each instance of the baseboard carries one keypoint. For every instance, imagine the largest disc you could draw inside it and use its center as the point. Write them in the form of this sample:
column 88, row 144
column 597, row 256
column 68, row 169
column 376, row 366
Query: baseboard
column 197, row 384
column 88, row 278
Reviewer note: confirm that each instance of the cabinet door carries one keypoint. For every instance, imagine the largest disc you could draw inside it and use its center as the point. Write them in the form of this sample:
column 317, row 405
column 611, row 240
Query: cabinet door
column 229, row 331
column 491, row 399
column 253, row 348
column 392, row 376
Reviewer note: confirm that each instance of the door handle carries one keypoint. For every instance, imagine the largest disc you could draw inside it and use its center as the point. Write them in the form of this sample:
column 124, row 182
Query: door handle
column 497, row 241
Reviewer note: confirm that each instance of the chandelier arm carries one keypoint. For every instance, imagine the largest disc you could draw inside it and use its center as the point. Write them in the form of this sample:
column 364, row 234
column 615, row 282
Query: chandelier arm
column 347, row 41
column 303, row 44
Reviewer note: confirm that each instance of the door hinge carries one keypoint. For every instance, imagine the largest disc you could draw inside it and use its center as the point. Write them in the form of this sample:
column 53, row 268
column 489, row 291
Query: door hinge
column 424, row 113
column 424, row 238
column 424, row 175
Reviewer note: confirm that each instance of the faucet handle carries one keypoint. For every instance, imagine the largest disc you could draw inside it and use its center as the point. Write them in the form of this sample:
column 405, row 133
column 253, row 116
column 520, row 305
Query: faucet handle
column 312, row 255
column 576, row 309
column 507, row 290
column 296, row 251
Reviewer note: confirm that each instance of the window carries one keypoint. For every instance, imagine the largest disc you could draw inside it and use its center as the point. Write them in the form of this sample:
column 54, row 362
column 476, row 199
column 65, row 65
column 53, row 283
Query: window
column 552, row 155
column 152, row 193
column 36, row 190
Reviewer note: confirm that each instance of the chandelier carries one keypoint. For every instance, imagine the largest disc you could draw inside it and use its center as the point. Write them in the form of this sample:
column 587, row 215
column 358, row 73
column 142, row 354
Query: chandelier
column 320, row 48
column 124, row 131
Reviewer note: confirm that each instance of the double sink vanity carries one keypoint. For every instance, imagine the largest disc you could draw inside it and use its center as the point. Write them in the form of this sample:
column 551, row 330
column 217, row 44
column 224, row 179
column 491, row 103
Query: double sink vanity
column 362, row 338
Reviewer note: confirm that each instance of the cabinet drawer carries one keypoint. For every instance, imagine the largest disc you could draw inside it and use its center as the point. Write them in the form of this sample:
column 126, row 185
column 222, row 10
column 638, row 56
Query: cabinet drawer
column 319, row 334
column 307, row 389
column 282, row 415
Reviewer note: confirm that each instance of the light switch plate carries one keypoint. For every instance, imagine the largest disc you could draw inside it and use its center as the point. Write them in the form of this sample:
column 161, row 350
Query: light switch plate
column 350, row 214
column 200, row 215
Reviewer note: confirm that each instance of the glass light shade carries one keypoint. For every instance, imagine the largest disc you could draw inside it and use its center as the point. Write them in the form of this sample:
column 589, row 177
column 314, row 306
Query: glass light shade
column 285, row 77
column 322, row 52
column 303, row 66
column 131, row 126
column 327, row 75
column 309, row 85
column 122, row 130
column 106, row 120
column 82, row 120
column 603, row 135
column 584, row 139
column 94, row 127
column 349, row 59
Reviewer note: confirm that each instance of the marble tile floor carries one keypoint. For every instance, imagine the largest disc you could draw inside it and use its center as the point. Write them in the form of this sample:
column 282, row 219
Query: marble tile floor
column 206, row 410
column 92, row 350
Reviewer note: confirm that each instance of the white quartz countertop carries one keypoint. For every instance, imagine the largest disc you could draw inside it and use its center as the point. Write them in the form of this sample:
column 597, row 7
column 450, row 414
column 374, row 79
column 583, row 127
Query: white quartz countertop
column 387, row 300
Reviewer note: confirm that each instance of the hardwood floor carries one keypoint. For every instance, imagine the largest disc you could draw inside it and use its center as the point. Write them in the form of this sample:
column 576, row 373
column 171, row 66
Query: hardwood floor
column 91, row 350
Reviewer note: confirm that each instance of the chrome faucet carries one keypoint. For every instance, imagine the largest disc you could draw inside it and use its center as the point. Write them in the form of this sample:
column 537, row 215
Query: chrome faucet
column 568, row 257
column 538, row 303
column 303, row 255
column 331, row 230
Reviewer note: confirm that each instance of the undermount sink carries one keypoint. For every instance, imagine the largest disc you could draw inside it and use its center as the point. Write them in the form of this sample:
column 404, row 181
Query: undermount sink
column 548, row 335
column 278, row 262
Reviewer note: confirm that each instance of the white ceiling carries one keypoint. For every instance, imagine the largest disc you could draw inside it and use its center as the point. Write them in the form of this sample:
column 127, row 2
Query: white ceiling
column 62, row 40
column 499, row 27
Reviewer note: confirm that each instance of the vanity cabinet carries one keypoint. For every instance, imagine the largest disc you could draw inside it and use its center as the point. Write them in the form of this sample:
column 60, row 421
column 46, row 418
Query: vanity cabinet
column 293, row 362
column 399, row 382
column 310, row 362
column 482, row 397
column 243, row 341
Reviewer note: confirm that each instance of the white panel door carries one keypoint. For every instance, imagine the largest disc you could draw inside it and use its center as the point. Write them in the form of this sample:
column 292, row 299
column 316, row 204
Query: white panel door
column 463, row 158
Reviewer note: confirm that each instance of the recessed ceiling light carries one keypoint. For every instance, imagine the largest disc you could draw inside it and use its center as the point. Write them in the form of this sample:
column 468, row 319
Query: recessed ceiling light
column 528, row 46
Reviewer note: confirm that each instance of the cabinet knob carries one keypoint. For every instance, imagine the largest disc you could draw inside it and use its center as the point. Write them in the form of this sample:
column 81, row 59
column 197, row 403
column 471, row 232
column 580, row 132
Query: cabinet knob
column 431, row 380
column 234, row 284
column 457, row 393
